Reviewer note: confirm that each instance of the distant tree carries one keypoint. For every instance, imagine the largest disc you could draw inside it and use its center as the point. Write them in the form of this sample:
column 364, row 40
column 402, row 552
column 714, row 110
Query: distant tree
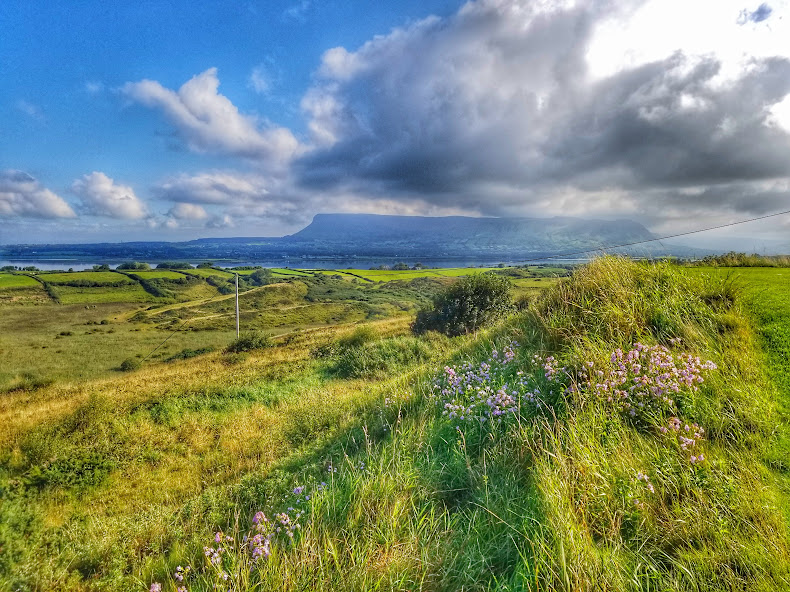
column 205, row 265
column 400, row 266
column 134, row 266
column 8, row 268
column 102, row 267
column 418, row 265
column 260, row 277
column 466, row 305
column 174, row 265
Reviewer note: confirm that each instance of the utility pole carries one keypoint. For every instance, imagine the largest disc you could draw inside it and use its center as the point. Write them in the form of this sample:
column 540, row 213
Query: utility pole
column 237, row 306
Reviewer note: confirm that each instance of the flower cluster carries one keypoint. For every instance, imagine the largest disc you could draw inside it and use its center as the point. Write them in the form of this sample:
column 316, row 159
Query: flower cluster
column 688, row 436
column 640, row 476
column 644, row 381
column 492, row 390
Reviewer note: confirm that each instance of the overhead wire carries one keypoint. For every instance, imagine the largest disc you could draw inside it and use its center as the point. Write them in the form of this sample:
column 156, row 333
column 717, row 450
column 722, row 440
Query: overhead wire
column 544, row 258
column 651, row 240
column 177, row 329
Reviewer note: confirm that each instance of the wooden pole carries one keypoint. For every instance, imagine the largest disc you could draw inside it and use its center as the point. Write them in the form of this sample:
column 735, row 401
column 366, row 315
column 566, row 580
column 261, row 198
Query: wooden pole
column 237, row 306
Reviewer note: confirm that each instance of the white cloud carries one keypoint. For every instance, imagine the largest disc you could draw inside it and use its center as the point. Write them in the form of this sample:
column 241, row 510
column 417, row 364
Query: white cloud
column 209, row 122
column 94, row 87
column 21, row 195
column 297, row 12
column 188, row 211
column 260, row 80
column 655, row 29
column 101, row 196
column 215, row 187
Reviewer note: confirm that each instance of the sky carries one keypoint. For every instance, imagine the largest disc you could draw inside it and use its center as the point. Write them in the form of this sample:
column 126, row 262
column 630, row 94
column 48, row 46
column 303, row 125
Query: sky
column 175, row 120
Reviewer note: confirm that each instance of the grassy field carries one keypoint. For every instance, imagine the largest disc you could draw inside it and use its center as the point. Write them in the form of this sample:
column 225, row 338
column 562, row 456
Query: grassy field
column 65, row 342
column 209, row 272
column 160, row 274
column 8, row 280
column 113, row 482
column 97, row 277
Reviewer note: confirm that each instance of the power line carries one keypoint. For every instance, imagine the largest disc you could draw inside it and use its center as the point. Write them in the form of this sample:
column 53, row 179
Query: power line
column 177, row 329
column 631, row 244
column 651, row 240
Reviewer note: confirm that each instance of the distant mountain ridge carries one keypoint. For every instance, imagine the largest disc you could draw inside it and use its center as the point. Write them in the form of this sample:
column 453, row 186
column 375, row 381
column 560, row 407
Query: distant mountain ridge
column 462, row 235
column 372, row 235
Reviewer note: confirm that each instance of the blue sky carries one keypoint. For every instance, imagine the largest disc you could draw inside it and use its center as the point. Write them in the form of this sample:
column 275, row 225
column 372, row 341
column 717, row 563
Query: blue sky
column 170, row 121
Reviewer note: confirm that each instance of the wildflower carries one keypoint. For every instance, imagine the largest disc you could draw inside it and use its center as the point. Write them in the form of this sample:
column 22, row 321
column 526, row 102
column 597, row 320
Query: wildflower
column 155, row 587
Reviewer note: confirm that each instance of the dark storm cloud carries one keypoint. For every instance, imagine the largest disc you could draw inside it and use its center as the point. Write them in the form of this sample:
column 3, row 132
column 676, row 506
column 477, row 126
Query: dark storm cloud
column 494, row 107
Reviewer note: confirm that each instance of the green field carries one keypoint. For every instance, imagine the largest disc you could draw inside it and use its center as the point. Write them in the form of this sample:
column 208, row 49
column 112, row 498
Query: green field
column 205, row 272
column 98, row 277
column 118, row 478
column 11, row 280
column 131, row 292
column 37, row 349
column 159, row 274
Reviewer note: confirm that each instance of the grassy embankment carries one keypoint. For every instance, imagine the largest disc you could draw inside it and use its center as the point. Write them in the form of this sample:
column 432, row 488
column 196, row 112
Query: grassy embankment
column 574, row 494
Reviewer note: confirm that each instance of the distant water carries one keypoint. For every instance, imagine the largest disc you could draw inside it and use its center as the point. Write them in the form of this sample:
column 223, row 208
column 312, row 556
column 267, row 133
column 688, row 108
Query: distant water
column 65, row 264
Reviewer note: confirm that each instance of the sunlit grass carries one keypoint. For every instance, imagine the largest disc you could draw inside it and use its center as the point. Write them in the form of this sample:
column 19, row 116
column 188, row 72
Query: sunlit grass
column 131, row 476
column 98, row 277
column 11, row 280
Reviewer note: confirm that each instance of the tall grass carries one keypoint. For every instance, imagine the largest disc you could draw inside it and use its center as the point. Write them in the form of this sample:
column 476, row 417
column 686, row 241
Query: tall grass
column 568, row 492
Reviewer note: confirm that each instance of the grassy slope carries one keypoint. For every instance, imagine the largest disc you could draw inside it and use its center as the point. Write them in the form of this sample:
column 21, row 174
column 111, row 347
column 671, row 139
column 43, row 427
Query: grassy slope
column 554, row 500
column 547, row 503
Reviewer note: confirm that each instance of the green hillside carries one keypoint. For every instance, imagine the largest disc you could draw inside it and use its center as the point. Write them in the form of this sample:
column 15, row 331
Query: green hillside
column 626, row 430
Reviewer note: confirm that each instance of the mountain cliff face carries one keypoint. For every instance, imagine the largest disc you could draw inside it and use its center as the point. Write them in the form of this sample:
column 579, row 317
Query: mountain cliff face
column 459, row 235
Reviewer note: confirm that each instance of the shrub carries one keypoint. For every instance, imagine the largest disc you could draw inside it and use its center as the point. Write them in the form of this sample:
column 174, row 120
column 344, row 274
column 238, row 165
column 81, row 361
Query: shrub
column 187, row 353
column 129, row 364
column 466, row 305
column 380, row 358
column 249, row 342
column 360, row 336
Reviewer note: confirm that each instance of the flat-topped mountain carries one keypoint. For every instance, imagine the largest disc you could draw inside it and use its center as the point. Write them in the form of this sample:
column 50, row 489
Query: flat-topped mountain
column 451, row 235
column 377, row 236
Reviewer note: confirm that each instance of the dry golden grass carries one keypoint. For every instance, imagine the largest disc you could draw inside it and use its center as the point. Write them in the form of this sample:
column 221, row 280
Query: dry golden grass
column 21, row 410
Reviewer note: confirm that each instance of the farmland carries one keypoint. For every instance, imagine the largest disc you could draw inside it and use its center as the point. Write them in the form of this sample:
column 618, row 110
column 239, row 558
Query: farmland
column 118, row 479
column 102, row 317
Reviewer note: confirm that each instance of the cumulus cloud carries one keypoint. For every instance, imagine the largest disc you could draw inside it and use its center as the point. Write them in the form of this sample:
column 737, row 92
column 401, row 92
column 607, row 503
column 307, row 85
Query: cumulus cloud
column 188, row 211
column 101, row 196
column 243, row 195
column 209, row 122
column 215, row 187
column 21, row 195
column 511, row 107
column 496, row 110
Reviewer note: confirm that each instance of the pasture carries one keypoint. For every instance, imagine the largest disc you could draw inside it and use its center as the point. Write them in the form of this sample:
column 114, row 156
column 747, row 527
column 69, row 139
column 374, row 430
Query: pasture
column 10, row 280
column 104, row 318
column 160, row 274
column 85, row 277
